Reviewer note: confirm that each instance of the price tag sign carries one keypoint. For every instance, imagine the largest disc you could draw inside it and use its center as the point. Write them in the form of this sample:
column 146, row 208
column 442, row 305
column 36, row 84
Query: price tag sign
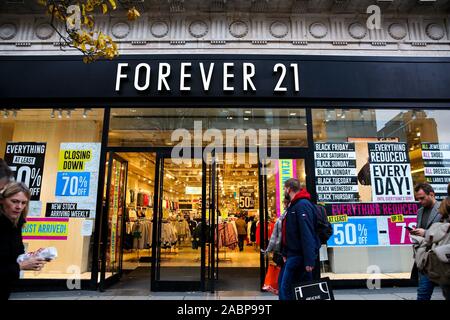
column 397, row 218
column 247, row 198
column 77, row 178
column 355, row 232
column 337, row 219
column 73, row 184
column 398, row 234
column 26, row 160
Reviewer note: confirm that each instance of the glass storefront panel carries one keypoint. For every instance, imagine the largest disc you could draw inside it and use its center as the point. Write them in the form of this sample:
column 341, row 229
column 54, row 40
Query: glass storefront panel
column 367, row 162
column 154, row 127
column 63, row 148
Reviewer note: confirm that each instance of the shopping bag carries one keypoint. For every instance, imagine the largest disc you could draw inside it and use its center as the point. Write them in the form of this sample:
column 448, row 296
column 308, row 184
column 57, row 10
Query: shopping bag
column 271, row 280
column 314, row 290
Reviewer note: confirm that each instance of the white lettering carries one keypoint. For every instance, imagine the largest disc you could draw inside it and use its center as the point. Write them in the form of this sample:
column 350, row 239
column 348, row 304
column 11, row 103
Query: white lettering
column 147, row 77
column 164, row 72
column 120, row 75
column 248, row 74
column 184, row 76
column 206, row 80
column 226, row 76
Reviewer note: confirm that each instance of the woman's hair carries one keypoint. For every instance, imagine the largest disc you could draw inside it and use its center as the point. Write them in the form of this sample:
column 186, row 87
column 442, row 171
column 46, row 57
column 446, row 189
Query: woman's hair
column 444, row 208
column 12, row 189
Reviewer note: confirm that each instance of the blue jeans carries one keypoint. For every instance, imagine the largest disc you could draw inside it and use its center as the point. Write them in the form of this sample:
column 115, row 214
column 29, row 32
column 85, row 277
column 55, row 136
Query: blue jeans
column 292, row 272
column 425, row 289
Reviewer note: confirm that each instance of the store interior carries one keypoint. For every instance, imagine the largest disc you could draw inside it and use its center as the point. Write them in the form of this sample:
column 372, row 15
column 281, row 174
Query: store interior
column 237, row 196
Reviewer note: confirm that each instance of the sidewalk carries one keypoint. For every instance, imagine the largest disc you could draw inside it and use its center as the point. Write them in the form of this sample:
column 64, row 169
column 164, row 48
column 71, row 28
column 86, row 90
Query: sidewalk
column 353, row 294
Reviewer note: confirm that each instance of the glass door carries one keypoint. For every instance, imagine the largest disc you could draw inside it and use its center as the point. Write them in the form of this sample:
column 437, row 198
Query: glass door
column 181, row 231
column 273, row 174
column 113, row 219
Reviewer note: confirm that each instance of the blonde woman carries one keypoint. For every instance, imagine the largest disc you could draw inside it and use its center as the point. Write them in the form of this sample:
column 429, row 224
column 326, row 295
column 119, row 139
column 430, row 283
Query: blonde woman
column 14, row 201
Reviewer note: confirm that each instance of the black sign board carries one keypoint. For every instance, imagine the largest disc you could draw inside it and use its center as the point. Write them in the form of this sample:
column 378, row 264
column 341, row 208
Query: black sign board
column 65, row 210
column 26, row 160
column 314, row 290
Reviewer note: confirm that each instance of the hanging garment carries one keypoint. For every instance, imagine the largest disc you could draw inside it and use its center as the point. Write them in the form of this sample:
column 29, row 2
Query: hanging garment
column 140, row 199
column 146, row 200
column 131, row 196
column 253, row 232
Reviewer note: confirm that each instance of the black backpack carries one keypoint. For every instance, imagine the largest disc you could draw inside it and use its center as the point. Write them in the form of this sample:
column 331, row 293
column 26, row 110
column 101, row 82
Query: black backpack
column 324, row 230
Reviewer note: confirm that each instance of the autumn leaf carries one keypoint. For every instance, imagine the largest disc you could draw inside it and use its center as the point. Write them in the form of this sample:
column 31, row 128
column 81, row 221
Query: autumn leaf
column 113, row 4
column 105, row 8
column 133, row 14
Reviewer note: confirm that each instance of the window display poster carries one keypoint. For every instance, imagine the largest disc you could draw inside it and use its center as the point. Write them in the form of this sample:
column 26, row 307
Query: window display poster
column 371, row 232
column 390, row 172
column 247, row 197
column 436, row 161
column 26, row 160
column 335, row 167
column 77, row 176
column 46, row 229
column 286, row 169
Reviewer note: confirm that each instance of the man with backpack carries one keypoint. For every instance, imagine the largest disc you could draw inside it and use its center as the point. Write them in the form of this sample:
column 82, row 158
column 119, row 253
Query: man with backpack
column 300, row 243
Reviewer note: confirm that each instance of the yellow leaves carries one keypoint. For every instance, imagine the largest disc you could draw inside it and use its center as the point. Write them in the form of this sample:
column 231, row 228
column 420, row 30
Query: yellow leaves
column 113, row 4
column 133, row 14
column 92, row 43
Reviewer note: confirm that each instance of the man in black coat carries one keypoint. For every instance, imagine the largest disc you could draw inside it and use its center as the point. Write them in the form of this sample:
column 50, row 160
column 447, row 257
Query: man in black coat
column 300, row 244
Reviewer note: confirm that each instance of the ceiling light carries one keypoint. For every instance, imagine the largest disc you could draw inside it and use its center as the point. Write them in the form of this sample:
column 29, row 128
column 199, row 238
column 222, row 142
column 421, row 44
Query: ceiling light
column 69, row 113
column 133, row 110
column 418, row 134
column 248, row 112
column 85, row 113
column 246, row 119
column 292, row 114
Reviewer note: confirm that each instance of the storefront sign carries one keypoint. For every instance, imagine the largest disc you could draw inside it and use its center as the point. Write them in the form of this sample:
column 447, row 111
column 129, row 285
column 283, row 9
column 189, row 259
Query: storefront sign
column 371, row 231
column 46, row 229
column 65, row 210
column 355, row 232
column 26, row 160
column 247, row 197
column 398, row 234
column 193, row 190
column 337, row 219
column 286, row 169
column 202, row 74
column 390, row 172
column 187, row 77
column 77, row 177
column 336, row 177
column 436, row 160
column 372, row 209
column 397, row 218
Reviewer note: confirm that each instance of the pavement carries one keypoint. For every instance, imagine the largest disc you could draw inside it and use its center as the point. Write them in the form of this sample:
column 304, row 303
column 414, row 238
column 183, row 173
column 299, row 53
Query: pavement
column 407, row 293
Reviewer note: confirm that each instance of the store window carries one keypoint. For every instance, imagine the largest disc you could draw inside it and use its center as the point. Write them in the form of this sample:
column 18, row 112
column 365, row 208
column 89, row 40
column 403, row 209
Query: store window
column 367, row 162
column 62, row 148
column 154, row 127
